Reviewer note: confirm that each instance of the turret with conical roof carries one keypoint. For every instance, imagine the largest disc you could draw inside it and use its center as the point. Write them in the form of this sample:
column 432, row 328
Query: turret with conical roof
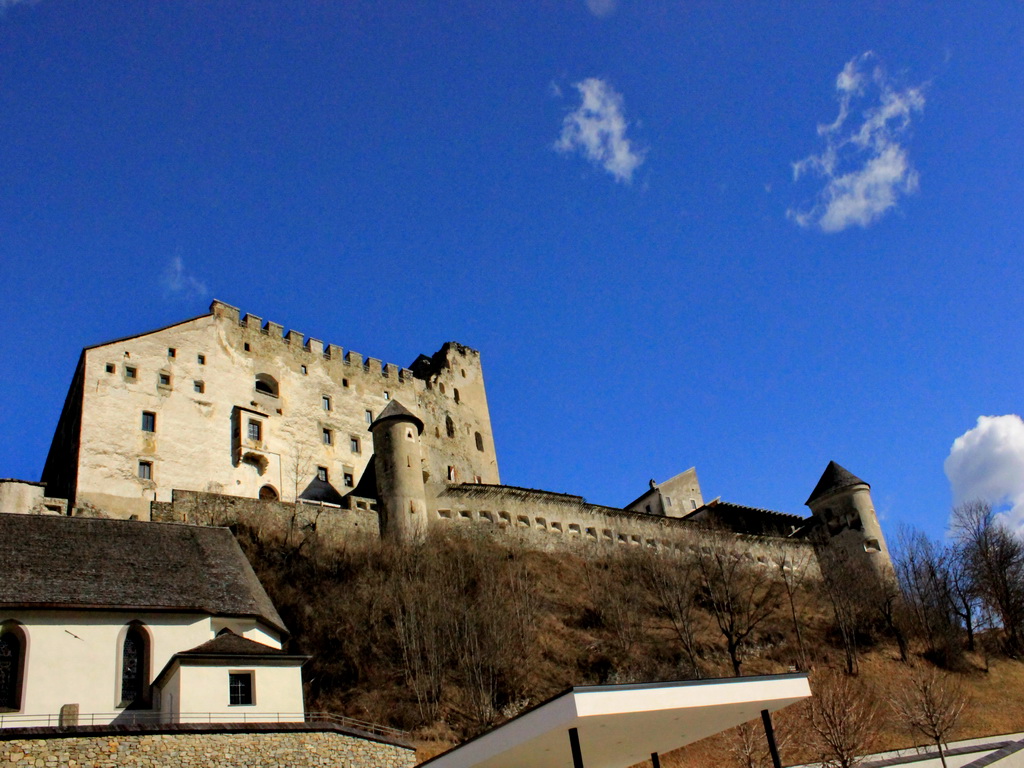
column 401, row 497
column 841, row 503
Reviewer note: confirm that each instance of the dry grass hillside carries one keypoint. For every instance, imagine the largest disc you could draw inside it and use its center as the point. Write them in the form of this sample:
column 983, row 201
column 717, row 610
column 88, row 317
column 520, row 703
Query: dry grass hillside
column 451, row 636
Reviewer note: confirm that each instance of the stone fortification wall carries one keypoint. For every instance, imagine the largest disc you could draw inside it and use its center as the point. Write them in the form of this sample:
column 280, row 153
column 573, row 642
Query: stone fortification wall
column 269, row 518
column 257, row 745
column 553, row 521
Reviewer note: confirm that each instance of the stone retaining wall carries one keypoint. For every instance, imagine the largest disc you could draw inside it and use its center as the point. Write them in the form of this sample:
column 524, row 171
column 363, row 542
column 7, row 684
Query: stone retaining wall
column 206, row 748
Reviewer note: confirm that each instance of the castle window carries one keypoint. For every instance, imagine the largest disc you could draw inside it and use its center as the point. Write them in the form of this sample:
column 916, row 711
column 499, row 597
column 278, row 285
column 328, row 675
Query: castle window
column 871, row 545
column 246, row 346
column 479, row 442
column 693, row 503
column 164, row 379
column 148, row 421
column 130, row 372
column 111, row 368
column 449, row 426
column 574, row 528
column 12, row 666
column 387, row 395
column 266, row 384
column 255, row 430
column 199, row 386
column 455, row 391
column 240, row 689
column 441, row 387
column 321, row 474
column 463, row 373
column 344, row 383
column 267, row 493
column 452, row 474
column 353, row 444
column 369, row 416
column 201, row 359
column 668, row 501
column 325, row 402
column 303, row 370
column 172, row 352
column 145, row 470
column 327, row 436
column 349, row 478
column 134, row 667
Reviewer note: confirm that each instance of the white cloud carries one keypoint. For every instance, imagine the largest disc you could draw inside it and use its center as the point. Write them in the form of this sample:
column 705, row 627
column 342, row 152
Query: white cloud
column 866, row 167
column 597, row 129
column 178, row 282
column 602, row 8
column 987, row 463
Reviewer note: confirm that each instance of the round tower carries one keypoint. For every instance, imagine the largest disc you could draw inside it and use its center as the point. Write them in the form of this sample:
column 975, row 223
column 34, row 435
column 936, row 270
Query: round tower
column 841, row 503
column 401, row 498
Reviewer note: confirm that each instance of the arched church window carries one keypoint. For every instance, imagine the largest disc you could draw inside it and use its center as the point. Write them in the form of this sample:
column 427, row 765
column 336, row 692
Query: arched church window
column 134, row 667
column 449, row 426
column 12, row 666
column 479, row 441
column 266, row 384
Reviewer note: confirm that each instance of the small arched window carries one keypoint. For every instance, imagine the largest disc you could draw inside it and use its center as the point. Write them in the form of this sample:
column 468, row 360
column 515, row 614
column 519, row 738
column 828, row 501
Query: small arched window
column 12, row 666
column 268, row 493
column 266, row 384
column 135, row 667
column 479, row 441
column 455, row 392
column 449, row 426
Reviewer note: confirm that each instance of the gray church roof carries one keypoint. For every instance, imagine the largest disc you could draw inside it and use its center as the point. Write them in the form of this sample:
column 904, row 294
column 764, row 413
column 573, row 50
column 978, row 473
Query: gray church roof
column 227, row 643
column 395, row 410
column 90, row 563
column 834, row 478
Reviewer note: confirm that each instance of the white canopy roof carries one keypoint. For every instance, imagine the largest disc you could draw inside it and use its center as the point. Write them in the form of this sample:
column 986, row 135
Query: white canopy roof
column 620, row 725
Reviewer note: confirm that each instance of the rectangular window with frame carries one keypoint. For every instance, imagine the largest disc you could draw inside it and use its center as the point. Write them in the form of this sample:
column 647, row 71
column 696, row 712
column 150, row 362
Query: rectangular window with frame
column 172, row 352
column 201, row 359
column 328, row 436
column 353, row 443
column 255, row 430
column 145, row 470
column 148, row 421
column 240, row 689
column 368, row 415
column 321, row 474
column 164, row 379
column 349, row 478
column 111, row 368
column 130, row 372
column 325, row 402
column 199, row 387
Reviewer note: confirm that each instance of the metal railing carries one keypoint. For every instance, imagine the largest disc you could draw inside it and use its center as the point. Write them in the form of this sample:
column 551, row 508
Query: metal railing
column 155, row 718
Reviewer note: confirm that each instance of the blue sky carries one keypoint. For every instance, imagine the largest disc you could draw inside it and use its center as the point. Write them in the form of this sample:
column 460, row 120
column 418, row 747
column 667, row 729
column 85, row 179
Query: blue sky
column 750, row 239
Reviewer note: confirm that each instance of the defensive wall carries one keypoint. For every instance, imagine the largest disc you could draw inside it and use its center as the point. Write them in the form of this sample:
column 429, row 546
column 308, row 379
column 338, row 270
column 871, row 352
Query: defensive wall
column 295, row 745
column 539, row 519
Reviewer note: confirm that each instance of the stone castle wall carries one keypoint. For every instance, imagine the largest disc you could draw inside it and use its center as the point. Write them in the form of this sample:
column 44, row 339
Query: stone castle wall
column 198, row 747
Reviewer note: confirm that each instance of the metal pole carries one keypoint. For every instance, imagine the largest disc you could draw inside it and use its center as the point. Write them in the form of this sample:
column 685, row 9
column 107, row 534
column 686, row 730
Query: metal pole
column 655, row 761
column 766, row 718
column 574, row 743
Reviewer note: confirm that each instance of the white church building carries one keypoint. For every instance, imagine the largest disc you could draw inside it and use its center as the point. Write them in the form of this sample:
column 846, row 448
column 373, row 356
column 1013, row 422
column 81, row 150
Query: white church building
column 114, row 621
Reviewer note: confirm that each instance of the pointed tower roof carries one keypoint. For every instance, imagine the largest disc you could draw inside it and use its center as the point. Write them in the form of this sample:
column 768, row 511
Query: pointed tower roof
column 833, row 479
column 395, row 411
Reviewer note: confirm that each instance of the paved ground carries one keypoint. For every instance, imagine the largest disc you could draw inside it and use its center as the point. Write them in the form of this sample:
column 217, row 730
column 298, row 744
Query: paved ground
column 1003, row 751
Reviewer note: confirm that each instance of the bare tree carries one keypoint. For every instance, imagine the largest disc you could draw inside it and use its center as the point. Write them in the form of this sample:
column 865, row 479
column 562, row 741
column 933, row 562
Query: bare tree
column 749, row 744
column 674, row 582
column 843, row 720
column 842, row 581
column 793, row 566
column 930, row 705
column 995, row 562
column 740, row 594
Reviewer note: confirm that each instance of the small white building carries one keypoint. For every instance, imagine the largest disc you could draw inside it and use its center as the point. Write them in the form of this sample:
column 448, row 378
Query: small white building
column 128, row 621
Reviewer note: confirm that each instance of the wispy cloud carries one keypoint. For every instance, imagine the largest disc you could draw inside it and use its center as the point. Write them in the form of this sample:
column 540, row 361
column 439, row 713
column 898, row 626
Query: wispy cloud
column 177, row 281
column 597, row 130
column 602, row 8
column 987, row 463
column 5, row 4
column 865, row 165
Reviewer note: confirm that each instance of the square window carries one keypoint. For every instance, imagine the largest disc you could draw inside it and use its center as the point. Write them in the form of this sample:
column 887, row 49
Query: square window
column 255, row 430
column 172, row 352
column 201, row 359
column 165, row 379
column 369, row 417
column 240, row 689
column 148, row 421
column 353, row 443
column 130, row 372
column 344, row 383
column 350, row 479
column 321, row 474
column 199, row 386
column 145, row 470
column 328, row 437
column 110, row 368
column 325, row 401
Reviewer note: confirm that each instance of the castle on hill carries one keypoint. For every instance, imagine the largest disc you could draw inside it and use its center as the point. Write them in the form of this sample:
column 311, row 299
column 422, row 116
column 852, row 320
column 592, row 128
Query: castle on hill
column 228, row 405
